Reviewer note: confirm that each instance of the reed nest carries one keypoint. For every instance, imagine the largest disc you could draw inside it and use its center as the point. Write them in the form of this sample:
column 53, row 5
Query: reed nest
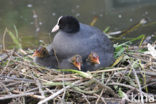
column 24, row 82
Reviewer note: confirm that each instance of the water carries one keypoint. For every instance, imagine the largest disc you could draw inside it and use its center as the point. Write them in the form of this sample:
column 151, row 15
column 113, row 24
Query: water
column 34, row 19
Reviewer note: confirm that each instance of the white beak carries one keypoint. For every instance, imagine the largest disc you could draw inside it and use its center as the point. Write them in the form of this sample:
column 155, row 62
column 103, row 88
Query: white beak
column 55, row 28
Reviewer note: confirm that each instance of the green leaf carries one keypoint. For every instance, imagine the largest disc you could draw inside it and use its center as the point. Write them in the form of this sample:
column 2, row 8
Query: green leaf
column 15, row 39
column 121, row 93
column 106, row 29
column 83, row 74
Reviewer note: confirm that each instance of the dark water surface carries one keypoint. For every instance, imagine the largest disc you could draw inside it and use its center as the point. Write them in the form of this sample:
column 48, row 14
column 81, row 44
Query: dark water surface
column 35, row 18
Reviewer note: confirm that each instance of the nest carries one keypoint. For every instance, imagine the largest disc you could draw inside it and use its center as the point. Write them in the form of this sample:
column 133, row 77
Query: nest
column 131, row 79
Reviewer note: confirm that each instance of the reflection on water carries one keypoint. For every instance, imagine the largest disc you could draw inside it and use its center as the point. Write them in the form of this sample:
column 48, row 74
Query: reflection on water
column 35, row 18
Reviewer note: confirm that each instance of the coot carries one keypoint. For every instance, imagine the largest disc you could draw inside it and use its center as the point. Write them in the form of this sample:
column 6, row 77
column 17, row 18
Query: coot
column 44, row 58
column 74, row 62
column 77, row 38
column 92, row 62
column 93, row 58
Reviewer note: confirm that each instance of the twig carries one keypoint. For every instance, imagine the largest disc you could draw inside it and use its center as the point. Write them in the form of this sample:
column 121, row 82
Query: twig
column 16, row 95
column 121, row 84
column 58, row 63
column 153, row 83
column 106, row 88
column 17, row 79
column 52, row 93
column 58, row 92
column 31, row 95
column 138, row 82
column 8, row 62
column 109, row 70
column 40, row 88
column 101, row 98
column 5, row 87
column 63, row 82
column 84, row 96
column 150, row 73
column 25, row 53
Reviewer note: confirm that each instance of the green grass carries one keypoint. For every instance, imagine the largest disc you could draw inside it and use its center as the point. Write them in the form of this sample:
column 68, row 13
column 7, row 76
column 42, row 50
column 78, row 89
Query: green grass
column 15, row 37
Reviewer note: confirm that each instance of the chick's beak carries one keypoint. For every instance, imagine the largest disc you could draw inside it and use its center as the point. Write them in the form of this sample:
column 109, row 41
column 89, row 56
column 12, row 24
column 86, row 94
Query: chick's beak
column 96, row 61
column 78, row 65
column 55, row 28
column 34, row 54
